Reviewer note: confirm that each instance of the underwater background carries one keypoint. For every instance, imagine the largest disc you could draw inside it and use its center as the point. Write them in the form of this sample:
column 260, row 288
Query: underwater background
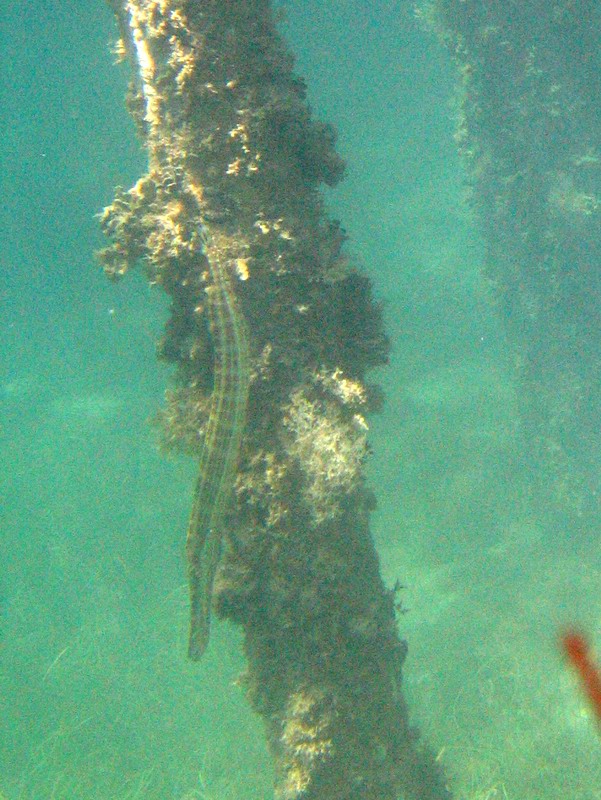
column 96, row 696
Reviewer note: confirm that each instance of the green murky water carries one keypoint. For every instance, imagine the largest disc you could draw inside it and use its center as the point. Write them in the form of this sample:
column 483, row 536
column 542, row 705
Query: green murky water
column 96, row 697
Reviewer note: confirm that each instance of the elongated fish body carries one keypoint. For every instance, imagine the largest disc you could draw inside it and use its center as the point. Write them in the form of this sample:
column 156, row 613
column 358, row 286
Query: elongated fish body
column 221, row 447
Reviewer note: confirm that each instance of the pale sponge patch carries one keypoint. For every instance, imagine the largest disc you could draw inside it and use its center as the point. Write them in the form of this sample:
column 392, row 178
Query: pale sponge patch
column 329, row 440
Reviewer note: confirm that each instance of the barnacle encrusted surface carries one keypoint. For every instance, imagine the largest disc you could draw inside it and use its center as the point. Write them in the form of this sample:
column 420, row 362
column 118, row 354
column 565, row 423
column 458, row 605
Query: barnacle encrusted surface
column 272, row 332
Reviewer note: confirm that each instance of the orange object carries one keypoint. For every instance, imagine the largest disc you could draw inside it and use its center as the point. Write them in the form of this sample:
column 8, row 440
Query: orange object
column 578, row 653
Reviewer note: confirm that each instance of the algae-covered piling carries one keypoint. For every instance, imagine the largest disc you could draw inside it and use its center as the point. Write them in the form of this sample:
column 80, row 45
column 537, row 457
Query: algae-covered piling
column 272, row 332
column 530, row 132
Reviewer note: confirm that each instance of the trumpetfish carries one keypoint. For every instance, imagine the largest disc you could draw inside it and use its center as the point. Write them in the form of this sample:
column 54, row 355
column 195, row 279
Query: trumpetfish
column 221, row 445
